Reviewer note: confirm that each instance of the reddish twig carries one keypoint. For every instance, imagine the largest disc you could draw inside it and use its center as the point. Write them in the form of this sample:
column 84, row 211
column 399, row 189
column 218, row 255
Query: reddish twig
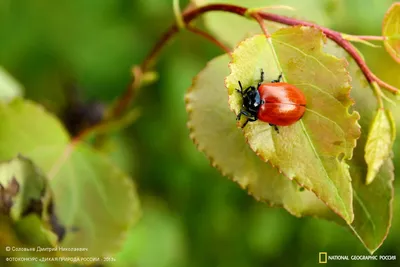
column 210, row 38
column 125, row 100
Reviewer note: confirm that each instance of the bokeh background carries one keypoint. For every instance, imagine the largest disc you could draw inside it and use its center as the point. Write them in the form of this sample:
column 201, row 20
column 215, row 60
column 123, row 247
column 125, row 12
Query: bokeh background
column 67, row 52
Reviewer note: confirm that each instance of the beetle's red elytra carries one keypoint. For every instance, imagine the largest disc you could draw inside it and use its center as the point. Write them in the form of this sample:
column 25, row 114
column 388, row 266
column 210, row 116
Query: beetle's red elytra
column 284, row 104
column 277, row 103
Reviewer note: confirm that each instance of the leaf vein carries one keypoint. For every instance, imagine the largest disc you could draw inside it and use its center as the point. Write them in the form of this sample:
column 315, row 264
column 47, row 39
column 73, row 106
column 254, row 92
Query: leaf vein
column 323, row 166
column 310, row 56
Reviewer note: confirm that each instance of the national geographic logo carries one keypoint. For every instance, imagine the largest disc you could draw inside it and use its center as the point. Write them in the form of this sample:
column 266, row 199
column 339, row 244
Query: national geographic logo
column 323, row 257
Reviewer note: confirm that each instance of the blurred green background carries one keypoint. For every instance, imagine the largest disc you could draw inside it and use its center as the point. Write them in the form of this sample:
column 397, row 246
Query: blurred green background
column 192, row 216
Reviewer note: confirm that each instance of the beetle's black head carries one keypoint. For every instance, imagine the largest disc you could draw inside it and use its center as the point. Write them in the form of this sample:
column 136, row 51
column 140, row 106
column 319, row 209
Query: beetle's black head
column 251, row 100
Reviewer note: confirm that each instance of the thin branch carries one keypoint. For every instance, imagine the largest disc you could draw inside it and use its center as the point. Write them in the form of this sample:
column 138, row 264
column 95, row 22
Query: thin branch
column 386, row 85
column 125, row 100
column 210, row 38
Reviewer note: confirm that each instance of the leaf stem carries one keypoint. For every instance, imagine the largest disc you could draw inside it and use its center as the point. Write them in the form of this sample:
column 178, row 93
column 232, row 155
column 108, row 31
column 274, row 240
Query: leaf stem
column 178, row 14
column 378, row 93
column 368, row 37
column 260, row 21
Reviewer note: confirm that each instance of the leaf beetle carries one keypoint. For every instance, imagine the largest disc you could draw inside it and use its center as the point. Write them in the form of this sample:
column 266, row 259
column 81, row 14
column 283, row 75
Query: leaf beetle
column 277, row 103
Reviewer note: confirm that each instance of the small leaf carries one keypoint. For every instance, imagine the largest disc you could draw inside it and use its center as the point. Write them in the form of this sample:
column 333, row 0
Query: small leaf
column 313, row 150
column 94, row 201
column 21, row 185
column 391, row 30
column 379, row 142
column 213, row 129
column 9, row 87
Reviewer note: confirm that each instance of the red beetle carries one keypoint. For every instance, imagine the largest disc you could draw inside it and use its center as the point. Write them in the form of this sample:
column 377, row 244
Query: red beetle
column 278, row 103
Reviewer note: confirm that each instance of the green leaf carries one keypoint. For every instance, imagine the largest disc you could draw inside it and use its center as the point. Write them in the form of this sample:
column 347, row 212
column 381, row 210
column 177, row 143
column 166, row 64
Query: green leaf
column 391, row 30
column 373, row 204
column 313, row 150
column 379, row 142
column 94, row 201
column 9, row 87
column 27, row 127
column 22, row 185
column 213, row 129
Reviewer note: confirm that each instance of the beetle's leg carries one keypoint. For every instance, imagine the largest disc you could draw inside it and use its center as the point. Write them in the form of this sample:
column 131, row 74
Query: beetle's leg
column 241, row 88
column 244, row 124
column 249, row 119
column 248, row 115
column 248, row 89
column 243, row 112
column 275, row 127
column 239, row 115
column 277, row 80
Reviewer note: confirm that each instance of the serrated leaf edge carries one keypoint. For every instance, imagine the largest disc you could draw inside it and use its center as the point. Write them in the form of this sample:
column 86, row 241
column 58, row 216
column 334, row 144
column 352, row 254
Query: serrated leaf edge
column 391, row 202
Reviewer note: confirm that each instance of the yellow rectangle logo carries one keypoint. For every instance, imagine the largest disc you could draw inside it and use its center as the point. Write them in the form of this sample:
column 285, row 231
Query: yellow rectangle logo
column 323, row 257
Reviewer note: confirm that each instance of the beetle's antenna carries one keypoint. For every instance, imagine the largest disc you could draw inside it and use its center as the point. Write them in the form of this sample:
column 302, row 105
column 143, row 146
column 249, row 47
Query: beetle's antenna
column 261, row 79
column 262, row 76
column 241, row 88
column 277, row 80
